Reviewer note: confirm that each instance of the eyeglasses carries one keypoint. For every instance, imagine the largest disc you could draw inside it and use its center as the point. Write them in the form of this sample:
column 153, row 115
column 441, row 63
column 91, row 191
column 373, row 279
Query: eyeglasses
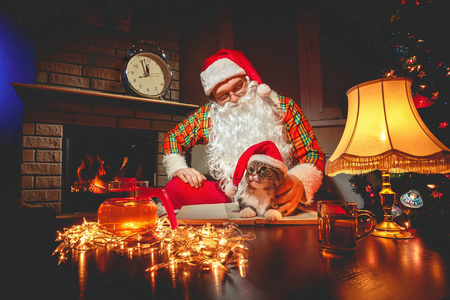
column 238, row 90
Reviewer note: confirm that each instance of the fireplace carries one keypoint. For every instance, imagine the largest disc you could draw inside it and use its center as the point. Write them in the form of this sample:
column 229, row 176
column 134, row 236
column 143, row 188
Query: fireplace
column 62, row 127
column 95, row 156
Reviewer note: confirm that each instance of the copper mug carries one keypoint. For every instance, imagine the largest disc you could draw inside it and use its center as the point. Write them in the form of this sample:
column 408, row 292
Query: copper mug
column 342, row 225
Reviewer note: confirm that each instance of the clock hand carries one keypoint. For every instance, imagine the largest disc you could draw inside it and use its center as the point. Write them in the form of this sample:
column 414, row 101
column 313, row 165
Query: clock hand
column 148, row 75
column 143, row 67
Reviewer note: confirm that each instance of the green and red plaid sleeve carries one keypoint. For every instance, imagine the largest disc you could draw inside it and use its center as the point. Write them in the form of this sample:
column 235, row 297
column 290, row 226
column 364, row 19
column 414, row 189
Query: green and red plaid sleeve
column 193, row 130
column 301, row 135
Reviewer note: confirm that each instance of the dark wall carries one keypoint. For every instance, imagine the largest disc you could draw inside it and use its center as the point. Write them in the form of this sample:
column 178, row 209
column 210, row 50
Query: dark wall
column 200, row 37
column 352, row 38
column 267, row 34
column 17, row 64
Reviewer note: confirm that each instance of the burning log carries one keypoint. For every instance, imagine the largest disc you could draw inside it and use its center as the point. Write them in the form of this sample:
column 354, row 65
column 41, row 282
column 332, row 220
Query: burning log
column 95, row 185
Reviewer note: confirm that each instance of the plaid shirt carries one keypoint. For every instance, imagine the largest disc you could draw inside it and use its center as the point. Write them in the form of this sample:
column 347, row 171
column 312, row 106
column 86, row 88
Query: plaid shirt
column 197, row 128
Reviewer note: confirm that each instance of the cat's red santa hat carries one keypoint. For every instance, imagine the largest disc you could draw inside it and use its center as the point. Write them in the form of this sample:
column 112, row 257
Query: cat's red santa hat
column 266, row 152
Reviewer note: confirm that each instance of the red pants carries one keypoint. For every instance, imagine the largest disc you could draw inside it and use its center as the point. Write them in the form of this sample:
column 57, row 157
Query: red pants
column 181, row 193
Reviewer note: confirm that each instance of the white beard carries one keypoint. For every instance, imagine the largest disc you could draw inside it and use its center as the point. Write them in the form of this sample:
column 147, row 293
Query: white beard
column 237, row 126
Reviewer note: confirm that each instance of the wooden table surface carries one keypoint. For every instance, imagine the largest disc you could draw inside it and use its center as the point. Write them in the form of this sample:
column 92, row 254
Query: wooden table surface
column 285, row 262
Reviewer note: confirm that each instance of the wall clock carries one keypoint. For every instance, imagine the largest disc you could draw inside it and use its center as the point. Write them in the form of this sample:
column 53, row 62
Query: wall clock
column 146, row 73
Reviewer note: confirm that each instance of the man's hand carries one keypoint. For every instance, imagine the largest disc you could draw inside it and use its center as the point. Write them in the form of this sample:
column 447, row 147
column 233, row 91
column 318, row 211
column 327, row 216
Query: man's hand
column 289, row 194
column 190, row 176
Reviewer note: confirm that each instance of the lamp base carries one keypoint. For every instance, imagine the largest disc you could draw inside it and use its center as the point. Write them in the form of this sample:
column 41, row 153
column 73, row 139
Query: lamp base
column 391, row 230
column 388, row 228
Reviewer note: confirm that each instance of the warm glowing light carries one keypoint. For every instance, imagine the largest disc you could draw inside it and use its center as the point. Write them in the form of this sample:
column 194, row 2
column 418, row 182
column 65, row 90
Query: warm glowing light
column 390, row 73
column 435, row 96
column 153, row 281
column 243, row 247
column 95, row 185
column 382, row 124
column 386, row 104
column 206, row 247
column 436, row 194
column 431, row 186
column 242, row 265
column 125, row 160
column 81, row 168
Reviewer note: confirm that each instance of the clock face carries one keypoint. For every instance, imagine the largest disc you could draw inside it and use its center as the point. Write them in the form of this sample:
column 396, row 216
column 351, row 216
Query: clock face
column 147, row 74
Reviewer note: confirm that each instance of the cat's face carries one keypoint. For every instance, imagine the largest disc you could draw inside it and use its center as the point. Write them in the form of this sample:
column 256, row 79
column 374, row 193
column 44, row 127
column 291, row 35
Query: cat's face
column 262, row 175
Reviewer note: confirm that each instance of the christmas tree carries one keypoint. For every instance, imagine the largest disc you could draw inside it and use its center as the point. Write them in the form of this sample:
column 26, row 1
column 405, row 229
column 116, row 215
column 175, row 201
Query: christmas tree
column 418, row 49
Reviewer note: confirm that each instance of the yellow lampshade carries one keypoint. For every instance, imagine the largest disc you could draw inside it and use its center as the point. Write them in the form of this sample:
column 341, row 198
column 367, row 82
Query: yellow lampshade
column 385, row 132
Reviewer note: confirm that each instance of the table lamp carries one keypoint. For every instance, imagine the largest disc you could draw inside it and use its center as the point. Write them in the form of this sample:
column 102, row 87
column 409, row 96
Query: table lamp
column 385, row 132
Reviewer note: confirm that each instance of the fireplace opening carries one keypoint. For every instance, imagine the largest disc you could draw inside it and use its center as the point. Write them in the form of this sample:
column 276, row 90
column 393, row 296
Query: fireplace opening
column 95, row 156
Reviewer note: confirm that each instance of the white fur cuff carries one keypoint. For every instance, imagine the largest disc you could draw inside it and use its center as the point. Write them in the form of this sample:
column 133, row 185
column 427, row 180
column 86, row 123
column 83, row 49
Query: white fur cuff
column 173, row 162
column 311, row 177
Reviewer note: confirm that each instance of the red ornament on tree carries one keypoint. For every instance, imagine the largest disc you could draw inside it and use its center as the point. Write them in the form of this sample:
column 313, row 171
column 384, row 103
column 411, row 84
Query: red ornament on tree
column 443, row 124
column 422, row 101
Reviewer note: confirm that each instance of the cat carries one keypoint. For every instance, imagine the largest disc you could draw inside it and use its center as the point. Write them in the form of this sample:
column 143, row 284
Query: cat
column 258, row 198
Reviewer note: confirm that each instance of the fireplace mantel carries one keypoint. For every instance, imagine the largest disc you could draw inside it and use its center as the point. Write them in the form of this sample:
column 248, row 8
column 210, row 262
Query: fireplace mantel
column 31, row 92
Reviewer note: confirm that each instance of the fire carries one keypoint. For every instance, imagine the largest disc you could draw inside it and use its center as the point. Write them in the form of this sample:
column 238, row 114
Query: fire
column 95, row 185
column 80, row 168
column 98, row 185
column 117, row 177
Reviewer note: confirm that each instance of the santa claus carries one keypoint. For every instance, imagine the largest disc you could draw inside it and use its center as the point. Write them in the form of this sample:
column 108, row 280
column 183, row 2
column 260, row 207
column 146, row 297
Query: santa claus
column 242, row 112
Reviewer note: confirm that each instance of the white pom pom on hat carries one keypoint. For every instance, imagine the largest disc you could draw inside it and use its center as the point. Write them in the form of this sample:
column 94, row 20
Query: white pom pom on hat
column 226, row 63
column 263, row 90
column 230, row 189
column 266, row 152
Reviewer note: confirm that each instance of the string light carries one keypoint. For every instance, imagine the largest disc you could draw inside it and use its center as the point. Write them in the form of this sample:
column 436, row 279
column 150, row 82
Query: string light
column 207, row 247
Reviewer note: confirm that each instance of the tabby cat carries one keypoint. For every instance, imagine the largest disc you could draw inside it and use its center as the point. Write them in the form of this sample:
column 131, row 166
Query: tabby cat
column 258, row 198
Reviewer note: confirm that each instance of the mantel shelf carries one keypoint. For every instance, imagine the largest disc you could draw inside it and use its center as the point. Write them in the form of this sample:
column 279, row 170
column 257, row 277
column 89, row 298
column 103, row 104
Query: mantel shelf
column 30, row 92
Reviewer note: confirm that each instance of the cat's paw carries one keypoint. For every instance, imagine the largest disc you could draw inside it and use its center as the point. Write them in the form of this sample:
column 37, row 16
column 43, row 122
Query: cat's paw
column 308, row 202
column 273, row 215
column 247, row 213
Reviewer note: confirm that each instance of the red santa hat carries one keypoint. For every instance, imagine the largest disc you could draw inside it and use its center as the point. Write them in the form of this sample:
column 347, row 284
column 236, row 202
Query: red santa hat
column 223, row 65
column 266, row 152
